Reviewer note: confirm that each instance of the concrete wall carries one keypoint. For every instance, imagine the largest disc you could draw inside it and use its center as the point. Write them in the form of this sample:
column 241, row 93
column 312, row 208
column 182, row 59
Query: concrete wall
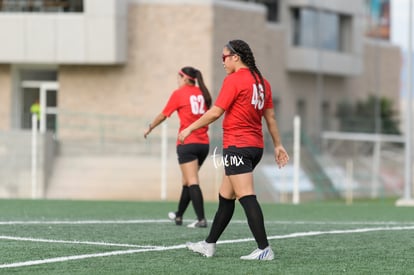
column 16, row 177
column 5, row 97
column 383, row 63
column 95, row 36
column 161, row 39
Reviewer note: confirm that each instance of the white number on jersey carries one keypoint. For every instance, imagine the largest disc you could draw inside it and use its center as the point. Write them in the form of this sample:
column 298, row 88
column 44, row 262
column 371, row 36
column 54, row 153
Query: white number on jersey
column 197, row 104
column 258, row 96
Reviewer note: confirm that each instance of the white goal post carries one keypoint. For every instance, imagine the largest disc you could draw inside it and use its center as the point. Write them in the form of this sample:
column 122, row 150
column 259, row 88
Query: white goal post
column 377, row 140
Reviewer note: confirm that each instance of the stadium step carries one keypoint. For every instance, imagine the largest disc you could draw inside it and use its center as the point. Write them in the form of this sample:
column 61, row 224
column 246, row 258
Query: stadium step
column 118, row 178
column 109, row 177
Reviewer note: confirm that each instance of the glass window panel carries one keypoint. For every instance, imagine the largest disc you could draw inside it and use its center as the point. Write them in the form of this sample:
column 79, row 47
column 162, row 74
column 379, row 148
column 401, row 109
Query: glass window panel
column 307, row 28
column 329, row 31
column 41, row 5
column 316, row 29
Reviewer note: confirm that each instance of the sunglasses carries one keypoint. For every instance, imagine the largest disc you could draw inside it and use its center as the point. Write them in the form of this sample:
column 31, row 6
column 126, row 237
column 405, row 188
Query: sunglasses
column 224, row 56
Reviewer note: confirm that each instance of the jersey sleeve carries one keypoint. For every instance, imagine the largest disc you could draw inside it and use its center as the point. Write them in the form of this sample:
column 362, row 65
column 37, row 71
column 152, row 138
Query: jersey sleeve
column 172, row 105
column 227, row 94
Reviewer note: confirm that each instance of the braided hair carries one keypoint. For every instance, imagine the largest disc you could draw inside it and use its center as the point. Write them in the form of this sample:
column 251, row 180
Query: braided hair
column 242, row 49
column 196, row 74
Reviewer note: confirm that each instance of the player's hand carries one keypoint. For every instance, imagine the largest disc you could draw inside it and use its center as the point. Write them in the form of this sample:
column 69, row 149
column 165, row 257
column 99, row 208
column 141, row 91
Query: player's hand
column 281, row 156
column 184, row 134
column 146, row 133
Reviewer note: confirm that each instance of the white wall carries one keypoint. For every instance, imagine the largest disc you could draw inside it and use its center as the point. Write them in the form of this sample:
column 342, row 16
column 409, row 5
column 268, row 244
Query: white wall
column 96, row 36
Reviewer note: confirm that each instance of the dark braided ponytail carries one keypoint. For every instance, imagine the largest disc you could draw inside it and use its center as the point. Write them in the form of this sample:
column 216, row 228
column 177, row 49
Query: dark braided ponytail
column 196, row 74
column 242, row 49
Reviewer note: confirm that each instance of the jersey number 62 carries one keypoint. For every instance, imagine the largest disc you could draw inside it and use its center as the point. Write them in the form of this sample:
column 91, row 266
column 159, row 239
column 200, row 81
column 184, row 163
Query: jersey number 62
column 197, row 104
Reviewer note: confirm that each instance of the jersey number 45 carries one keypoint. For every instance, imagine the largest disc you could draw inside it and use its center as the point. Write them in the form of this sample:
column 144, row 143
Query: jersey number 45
column 258, row 96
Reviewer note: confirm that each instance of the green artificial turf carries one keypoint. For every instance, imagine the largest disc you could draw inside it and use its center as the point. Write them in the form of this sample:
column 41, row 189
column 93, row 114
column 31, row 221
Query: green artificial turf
column 108, row 237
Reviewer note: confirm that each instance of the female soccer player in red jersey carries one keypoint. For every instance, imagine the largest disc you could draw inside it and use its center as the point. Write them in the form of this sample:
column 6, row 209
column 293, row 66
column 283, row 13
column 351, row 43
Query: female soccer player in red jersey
column 190, row 102
column 245, row 97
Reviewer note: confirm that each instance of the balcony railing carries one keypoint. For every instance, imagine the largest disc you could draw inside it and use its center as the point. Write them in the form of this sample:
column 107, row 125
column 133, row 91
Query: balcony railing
column 41, row 5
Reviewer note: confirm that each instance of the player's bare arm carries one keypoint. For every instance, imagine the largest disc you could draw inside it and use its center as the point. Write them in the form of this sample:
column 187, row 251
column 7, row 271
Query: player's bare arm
column 281, row 156
column 157, row 121
column 209, row 117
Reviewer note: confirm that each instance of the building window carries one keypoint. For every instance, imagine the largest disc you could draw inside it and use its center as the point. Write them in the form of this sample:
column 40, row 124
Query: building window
column 41, row 5
column 272, row 8
column 319, row 29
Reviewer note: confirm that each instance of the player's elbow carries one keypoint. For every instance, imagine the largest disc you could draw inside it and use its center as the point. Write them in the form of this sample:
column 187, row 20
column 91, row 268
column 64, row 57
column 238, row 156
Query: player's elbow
column 215, row 116
column 215, row 113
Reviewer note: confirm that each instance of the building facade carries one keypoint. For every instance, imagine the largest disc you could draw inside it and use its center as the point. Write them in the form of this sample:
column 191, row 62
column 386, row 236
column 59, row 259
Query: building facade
column 120, row 58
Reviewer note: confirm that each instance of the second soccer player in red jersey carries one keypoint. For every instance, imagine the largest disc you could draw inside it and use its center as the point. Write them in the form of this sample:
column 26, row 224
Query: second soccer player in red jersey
column 191, row 102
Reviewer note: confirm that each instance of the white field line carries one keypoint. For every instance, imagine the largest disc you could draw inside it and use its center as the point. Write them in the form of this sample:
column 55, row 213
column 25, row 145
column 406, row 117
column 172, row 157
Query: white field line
column 130, row 251
column 12, row 238
column 86, row 256
column 318, row 233
column 83, row 222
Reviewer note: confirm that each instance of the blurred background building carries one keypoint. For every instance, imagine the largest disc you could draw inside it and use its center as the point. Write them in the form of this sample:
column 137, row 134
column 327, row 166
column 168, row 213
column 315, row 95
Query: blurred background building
column 101, row 69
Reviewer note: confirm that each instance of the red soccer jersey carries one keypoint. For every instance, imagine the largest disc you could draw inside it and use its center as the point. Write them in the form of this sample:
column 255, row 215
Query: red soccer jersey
column 189, row 103
column 244, row 103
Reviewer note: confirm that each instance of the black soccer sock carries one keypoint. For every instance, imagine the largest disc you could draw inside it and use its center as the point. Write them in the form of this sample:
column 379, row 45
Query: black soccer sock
column 255, row 219
column 184, row 201
column 197, row 199
column 221, row 219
